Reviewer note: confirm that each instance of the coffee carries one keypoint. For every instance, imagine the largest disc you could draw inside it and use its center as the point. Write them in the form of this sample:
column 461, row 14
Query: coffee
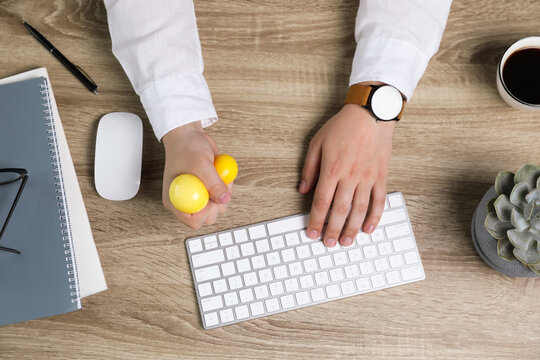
column 521, row 75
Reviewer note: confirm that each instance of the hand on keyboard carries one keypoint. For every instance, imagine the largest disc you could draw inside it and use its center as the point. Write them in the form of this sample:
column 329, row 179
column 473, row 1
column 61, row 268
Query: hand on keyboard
column 349, row 155
column 188, row 149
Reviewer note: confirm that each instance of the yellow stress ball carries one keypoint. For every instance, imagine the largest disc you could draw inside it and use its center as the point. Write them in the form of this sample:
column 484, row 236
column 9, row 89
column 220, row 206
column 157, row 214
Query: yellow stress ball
column 226, row 167
column 188, row 193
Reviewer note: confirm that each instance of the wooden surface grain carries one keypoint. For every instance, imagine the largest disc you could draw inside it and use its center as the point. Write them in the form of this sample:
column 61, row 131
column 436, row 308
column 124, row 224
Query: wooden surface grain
column 277, row 71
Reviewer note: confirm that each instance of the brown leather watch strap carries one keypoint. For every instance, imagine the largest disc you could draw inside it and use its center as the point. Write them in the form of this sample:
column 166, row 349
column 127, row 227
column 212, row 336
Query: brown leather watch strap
column 358, row 94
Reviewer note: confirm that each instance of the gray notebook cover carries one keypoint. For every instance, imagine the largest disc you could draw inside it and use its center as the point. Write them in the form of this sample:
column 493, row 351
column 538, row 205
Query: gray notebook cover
column 41, row 281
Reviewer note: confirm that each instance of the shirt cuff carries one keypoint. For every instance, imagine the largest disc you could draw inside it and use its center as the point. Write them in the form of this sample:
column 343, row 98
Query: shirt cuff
column 393, row 62
column 175, row 101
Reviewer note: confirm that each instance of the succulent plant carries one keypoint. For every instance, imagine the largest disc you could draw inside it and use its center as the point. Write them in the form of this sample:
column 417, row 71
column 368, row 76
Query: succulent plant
column 514, row 216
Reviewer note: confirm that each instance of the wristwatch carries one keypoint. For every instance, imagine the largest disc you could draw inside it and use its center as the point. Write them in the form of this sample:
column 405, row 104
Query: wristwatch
column 385, row 102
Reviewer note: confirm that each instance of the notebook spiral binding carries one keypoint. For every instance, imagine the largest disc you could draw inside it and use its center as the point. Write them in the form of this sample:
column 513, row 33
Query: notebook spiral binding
column 65, row 223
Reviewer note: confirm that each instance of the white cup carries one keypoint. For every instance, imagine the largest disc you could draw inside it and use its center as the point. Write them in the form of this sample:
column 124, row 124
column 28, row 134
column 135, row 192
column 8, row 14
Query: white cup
column 508, row 97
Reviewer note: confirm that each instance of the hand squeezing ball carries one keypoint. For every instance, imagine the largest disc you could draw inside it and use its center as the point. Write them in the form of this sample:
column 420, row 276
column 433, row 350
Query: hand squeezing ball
column 188, row 193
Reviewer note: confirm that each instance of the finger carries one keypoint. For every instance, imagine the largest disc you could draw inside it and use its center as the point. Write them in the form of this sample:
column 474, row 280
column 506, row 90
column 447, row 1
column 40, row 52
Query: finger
column 311, row 168
column 223, row 207
column 324, row 192
column 213, row 214
column 376, row 207
column 338, row 214
column 194, row 221
column 218, row 191
column 359, row 209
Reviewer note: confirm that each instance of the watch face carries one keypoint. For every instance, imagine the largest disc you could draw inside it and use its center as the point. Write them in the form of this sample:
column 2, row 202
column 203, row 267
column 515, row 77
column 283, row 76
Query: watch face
column 386, row 102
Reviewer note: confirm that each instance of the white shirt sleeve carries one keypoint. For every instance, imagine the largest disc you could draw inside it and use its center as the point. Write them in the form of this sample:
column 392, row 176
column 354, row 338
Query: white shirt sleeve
column 157, row 44
column 396, row 39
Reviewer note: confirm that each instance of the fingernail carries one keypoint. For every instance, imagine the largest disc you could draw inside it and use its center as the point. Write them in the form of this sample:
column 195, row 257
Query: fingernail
column 313, row 234
column 302, row 187
column 347, row 241
column 330, row 242
column 224, row 198
column 370, row 229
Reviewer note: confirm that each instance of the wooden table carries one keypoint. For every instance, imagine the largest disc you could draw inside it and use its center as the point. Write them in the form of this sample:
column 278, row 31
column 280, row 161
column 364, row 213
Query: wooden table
column 277, row 71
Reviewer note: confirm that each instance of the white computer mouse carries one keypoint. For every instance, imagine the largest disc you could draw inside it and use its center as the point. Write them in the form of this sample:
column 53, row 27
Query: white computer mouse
column 118, row 157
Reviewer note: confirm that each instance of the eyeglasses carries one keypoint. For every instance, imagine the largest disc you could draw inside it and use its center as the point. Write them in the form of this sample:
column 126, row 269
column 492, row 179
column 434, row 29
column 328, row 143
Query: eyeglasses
column 9, row 176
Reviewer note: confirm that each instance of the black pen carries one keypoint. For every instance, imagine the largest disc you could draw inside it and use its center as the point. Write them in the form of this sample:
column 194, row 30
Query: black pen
column 77, row 71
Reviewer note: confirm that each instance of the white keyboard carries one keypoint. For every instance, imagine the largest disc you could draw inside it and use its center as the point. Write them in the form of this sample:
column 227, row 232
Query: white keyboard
column 272, row 266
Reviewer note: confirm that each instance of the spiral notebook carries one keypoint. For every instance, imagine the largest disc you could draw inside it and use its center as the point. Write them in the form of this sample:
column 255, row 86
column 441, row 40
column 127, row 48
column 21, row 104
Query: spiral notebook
column 44, row 279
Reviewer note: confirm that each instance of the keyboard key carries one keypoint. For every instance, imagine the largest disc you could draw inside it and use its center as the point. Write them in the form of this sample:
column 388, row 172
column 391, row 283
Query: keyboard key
column 377, row 235
column 240, row 236
column 363, row 284
column 336, row 274
column 232, row 252
column 225, row 239
column 411, row 273
column 317, row 294
column 362, row 239
column 381, row 264
column 395, row 261
column 411, row 257
column 250, row 279
column 355, row 255
column 392, row 216
column 366, row 268
column 207, row 258
column 261, row 292
column 335, row 248
column 235, row 282
column 347, row 287
column 276, row 288
column 246, row 295
column 295, row 268
column 272, row 305
column 397, row 230
column 266, row 275
column 288, row 255
column 378, row 280
column 208, row 273
column 247, row 249
column 220, row 285
column 287, row 225
column 241, row 312
column 291, row 285
column 325, row 262
column 340, row 258
column 332, row 291
column 230, row 299
column 304, row 237
column 303, row 251
column 351, row 271
column 211, row 303
column 277, row 242
column 228, row 269
column 306, row 281
column 321, row 278
column 287, row 301
column 392, row 277
column 195, row 245
column 370, row 252
column 243, row 265
column 226, row 315
column 258, row 262
column 262, row 245
column 384, row 248
column 318, row 248
column 280, row 272
column 310, row 265
column 395, row 200
column 205, row 289
column 257, row 308
column 403, row 244
column 210, row 242
column 273, row 258
column 292, row 239
column 302, row 297
column 257, row 232
column 211, row 319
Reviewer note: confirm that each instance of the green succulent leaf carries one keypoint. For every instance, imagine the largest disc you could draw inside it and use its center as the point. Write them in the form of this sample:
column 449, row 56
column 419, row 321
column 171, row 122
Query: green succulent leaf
column 528, row 173
column 520, row 240
column 518, row 194
column 504, row 182
column 505, row 249
column 535, row 268
column 533, row 196
column 503, row 208
column 528, row 210
column 491, row 205
column 518, row 221
column 528, row 256
column 534, row 219
column 495, row 227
